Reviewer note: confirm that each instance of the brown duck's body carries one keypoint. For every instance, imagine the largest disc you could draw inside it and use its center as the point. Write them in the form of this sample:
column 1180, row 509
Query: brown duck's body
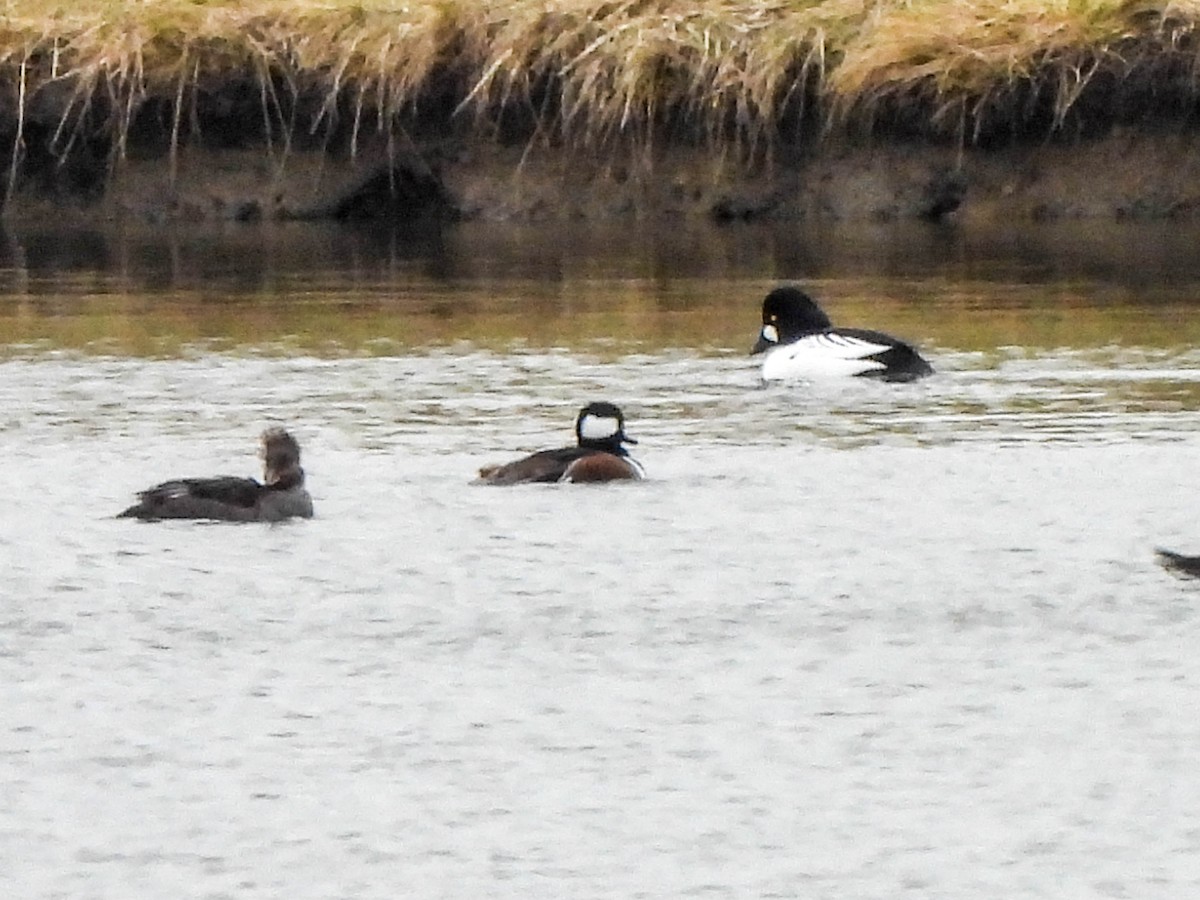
column 1179, row 563
column 598, row 456
column 280, row 496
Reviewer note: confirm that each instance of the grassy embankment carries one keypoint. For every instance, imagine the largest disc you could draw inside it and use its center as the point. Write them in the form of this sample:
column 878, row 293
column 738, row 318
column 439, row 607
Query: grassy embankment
column 741, row 74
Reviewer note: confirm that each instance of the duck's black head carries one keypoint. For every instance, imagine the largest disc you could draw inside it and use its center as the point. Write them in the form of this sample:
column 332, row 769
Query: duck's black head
column 602, row 425
column 281, row 459
column 787, row 315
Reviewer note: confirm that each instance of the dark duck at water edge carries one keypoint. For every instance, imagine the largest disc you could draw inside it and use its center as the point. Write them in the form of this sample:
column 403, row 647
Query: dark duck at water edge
column 599, row 454
column 280, row 496
column 800, row 342
column 1178, row 563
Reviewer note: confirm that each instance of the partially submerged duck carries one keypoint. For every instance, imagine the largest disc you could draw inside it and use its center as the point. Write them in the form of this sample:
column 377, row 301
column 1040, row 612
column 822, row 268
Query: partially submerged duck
column 282, row 494
column 800, row 342
column 598, row 455
column 1178, row 563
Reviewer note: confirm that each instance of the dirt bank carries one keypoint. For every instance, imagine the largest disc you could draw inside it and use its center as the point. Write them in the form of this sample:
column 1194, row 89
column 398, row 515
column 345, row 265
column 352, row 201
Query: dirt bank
column 1128, row 174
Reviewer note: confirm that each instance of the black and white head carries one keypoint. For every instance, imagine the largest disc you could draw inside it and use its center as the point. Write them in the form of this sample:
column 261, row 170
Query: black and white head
column 789, row 314
column 281, row 458
column 602, row 425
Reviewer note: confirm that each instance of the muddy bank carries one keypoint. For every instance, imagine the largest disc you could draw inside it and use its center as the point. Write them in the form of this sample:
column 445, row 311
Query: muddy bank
column 226, row 166
column 1130, row 174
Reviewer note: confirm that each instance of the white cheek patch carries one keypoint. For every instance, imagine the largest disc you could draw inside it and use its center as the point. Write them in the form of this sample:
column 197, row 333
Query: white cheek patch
column 770, row 333
column 598, row 428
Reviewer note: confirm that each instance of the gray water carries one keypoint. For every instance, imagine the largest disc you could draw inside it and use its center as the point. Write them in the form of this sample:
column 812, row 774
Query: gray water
column 855, row 641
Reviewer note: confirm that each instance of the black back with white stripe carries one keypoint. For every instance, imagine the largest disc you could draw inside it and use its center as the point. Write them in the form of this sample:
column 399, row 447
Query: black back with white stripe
column 791, row 318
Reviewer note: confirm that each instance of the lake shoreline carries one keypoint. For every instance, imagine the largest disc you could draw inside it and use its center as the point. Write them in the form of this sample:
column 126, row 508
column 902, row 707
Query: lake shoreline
column 514, row 110
column 1127, row 175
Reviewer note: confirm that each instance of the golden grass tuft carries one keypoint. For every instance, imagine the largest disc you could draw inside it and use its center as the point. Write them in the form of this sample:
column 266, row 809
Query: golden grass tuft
column 588, row 72
column 981, row 61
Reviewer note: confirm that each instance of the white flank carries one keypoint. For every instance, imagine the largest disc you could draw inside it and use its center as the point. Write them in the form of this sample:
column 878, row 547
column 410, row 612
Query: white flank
column 598, row 428
column 828, row 355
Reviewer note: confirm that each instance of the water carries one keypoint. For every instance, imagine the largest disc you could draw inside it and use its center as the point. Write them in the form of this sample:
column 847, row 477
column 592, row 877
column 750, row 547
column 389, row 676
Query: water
column 860, row 641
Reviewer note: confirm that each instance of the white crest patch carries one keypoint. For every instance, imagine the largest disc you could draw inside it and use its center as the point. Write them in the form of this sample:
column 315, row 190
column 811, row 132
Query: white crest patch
column 598, row 428
column 770, row 333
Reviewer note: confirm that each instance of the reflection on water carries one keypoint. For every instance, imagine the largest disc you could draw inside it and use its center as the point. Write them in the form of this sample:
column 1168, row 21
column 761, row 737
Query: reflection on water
column 332, row 291
column 851, row 641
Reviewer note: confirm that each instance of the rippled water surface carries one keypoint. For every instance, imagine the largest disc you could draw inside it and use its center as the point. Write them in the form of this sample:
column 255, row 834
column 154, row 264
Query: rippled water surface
column 853, row 641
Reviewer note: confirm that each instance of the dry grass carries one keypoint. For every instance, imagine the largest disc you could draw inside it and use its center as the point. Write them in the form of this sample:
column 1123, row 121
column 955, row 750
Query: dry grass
column 996, row 59
column 732, row 72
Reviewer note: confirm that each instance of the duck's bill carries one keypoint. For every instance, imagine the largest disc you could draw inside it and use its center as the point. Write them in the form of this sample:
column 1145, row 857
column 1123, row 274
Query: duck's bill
column 762, row 345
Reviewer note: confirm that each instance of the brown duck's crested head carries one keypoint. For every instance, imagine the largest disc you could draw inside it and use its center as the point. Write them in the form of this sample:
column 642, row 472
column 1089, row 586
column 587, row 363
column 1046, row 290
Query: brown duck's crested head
column 281, row 456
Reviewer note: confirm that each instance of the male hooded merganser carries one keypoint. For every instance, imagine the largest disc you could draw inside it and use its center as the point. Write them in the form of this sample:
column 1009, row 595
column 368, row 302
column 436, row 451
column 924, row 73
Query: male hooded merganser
column 801, row 342
column 1178, row 563
column 233, row 499
column 597, row 456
